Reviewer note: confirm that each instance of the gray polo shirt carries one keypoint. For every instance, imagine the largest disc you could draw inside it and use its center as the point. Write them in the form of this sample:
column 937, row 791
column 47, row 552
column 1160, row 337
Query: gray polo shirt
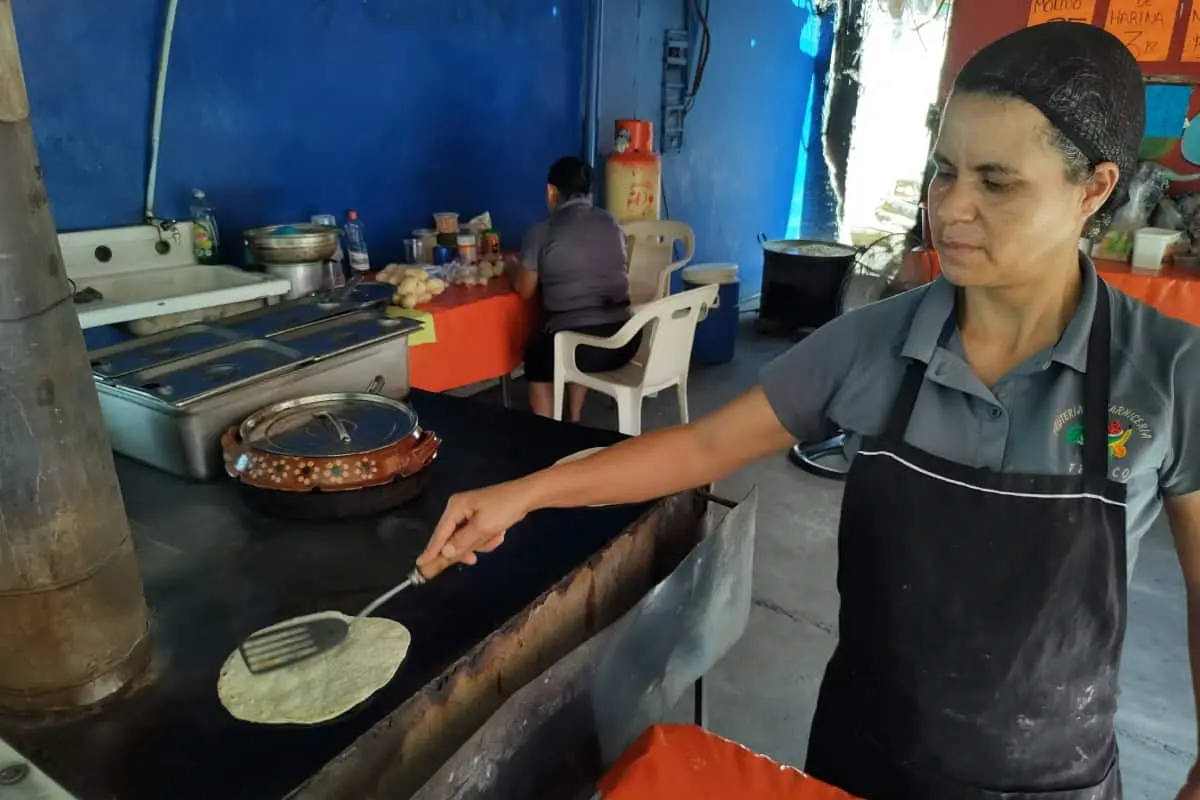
column 847, row 373
column 579, row 255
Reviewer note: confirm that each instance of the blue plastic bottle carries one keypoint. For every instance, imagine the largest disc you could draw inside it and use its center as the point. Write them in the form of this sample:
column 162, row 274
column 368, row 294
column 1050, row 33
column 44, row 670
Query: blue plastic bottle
column 356, row 244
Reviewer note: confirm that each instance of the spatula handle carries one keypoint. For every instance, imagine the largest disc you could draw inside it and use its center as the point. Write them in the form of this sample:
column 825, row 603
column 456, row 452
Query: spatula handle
column 418, row 576
column 429, row 571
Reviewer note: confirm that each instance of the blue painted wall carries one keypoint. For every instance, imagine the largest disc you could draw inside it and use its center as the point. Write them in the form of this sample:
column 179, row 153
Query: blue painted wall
column 752, row 143
column 283, row 108
column 90, row 75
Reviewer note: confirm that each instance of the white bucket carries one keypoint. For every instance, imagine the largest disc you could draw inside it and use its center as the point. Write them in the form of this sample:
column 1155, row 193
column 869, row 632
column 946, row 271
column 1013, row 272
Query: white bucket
column 1151, row 246
column 707, row 274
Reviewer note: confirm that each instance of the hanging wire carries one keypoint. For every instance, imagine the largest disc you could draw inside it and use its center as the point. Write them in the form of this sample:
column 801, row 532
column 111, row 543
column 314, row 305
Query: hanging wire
column 705, row 47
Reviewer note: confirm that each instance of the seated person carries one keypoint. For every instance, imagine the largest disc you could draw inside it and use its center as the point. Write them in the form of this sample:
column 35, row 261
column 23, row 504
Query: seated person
column 574, row 261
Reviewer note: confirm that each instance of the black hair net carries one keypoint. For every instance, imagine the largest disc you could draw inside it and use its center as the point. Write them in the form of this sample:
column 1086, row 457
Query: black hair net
column 1082, row 78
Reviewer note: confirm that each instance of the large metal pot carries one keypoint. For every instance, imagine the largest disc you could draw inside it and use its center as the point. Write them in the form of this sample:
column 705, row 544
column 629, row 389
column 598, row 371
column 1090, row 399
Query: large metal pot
column 298, row 243
column 305, row 278
column 802, row 282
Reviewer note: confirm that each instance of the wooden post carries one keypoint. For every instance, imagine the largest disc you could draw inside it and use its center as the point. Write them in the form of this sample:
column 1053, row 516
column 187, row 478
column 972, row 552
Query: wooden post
column 73, row 620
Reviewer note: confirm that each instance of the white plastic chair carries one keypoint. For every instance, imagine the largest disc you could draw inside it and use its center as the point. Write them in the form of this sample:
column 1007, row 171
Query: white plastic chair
column 651, row 250
column 661, row 362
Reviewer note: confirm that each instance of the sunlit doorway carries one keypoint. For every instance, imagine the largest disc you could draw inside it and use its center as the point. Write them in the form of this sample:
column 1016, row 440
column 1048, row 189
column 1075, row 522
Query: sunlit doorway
column 904, row 44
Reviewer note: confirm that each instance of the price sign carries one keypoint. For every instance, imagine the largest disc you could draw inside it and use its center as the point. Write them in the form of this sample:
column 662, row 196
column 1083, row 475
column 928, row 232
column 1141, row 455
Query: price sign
column 1145, row 26
column 1191, row 42
column 1061, row 10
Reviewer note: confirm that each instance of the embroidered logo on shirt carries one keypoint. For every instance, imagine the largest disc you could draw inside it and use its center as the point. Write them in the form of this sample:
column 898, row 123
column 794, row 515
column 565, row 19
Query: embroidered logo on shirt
column 1125, row 424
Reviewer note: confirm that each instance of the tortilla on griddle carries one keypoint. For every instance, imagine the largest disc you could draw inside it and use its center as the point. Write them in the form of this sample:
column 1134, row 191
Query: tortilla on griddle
column 320, row 688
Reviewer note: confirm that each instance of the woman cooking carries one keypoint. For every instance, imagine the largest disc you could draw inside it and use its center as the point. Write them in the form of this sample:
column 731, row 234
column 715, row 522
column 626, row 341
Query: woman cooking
column 1016, row 427
column 575, row 261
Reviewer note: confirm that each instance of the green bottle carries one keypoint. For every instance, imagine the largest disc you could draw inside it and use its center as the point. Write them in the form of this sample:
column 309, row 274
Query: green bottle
column 205, row 236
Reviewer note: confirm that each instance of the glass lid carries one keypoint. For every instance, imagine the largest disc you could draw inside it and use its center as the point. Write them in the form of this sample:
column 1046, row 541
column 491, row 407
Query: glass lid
column 329, row 425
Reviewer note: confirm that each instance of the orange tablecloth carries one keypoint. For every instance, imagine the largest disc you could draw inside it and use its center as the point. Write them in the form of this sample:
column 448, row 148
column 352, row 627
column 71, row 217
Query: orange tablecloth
column 1173, row 291
column 481, row 333
column 686, row 761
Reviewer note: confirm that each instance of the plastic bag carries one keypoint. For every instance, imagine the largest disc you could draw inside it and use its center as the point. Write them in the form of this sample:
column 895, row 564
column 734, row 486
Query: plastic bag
column 1166, row 215
column 1148, row 187
column 1188, row 206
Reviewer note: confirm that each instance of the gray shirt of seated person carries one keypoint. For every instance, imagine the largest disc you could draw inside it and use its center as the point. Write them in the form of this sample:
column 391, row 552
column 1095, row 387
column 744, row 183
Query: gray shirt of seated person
column 847, row 373
column 579, row 256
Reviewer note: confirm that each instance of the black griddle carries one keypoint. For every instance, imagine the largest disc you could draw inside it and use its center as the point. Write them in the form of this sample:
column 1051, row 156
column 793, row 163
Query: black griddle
column 215, row 571
column 318, row 505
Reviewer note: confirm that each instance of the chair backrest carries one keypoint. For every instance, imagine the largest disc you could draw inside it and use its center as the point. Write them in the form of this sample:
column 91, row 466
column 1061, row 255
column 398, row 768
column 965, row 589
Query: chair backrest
column 676, row 633
column 651, row 256
column 671, row 324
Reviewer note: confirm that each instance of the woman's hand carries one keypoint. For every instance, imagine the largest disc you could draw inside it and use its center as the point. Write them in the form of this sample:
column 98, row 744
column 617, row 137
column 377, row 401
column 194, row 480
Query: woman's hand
column 475, row 522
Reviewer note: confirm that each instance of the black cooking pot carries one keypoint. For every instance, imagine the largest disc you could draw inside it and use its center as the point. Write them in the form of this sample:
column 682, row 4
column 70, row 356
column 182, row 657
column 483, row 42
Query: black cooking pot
column 802, row 282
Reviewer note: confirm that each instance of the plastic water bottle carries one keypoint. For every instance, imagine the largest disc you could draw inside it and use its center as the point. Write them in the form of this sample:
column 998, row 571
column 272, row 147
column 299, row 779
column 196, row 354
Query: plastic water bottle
column 356, row 244
column 205, row 237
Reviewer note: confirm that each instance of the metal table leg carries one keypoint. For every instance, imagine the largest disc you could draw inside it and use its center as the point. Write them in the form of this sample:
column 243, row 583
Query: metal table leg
column 700, row 707
column 506, row 390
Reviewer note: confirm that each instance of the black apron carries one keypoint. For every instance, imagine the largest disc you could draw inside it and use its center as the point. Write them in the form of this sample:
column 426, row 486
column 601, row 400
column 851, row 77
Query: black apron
column 981, row 621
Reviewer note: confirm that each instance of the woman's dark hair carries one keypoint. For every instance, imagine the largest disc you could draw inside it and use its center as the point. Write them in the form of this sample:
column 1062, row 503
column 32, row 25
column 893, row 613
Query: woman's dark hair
column 572, row 176
column 1085, row 82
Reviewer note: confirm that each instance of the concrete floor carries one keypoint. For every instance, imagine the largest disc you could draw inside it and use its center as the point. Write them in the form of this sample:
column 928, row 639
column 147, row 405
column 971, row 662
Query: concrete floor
column 764, row 692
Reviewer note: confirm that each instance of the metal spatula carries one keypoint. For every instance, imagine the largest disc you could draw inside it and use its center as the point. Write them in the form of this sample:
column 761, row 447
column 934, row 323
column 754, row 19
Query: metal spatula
column 278, row 647
column 284, row 645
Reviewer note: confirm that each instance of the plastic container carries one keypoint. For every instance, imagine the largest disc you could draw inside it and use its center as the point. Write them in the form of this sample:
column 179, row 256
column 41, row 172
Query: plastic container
column 1151, row 246
column 468, row 248
column 412, row 251
column 428, row 239
column 356, row 244
column 716, row 334
column 446, row 222
column 491, row 243
column 206, row 237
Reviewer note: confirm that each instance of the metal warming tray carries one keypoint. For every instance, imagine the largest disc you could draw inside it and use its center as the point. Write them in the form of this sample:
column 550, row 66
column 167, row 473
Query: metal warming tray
column 161, row 348
column 285, row 317
column 172, row 415
column 189, row 340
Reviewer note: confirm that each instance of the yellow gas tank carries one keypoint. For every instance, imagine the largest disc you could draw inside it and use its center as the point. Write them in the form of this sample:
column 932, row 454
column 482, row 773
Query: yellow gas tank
column 633, row 173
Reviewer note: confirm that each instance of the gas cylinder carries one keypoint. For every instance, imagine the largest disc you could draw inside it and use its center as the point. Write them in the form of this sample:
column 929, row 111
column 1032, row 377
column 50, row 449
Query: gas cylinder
column 633, row 174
